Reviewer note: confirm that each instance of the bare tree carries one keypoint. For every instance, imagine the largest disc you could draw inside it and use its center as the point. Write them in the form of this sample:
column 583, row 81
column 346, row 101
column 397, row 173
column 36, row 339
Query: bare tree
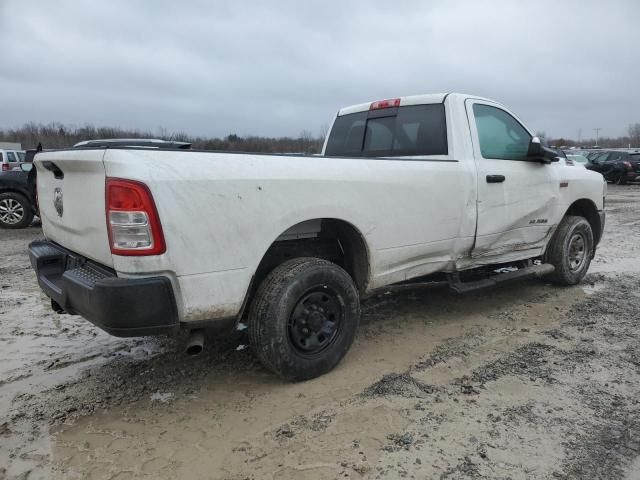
column 634, row 134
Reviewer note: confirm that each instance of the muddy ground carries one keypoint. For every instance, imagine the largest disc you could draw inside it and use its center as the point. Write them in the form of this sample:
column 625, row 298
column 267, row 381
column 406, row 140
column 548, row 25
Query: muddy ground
column 522, row 381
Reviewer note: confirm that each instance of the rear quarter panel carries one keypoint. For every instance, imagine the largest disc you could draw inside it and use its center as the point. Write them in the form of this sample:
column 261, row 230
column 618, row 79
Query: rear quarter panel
column 221, row 212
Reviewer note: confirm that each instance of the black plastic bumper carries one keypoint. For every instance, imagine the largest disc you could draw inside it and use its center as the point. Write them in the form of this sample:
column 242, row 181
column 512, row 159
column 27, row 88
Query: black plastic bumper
column 123, row 307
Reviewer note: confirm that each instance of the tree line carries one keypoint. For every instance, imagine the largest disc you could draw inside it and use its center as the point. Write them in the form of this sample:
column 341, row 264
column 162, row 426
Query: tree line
column 632, row 139
column 57, row 135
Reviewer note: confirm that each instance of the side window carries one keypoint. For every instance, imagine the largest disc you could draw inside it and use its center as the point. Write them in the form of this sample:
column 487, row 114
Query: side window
column 615, row 156
column 11, row 157
column 20, row 156
column 501, row 136
column 1, row 158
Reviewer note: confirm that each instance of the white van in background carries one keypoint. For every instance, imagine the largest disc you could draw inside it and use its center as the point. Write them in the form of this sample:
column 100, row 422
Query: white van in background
column 11, row 159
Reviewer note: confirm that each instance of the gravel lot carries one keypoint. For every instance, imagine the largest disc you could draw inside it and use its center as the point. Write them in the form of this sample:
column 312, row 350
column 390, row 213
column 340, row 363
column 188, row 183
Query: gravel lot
column 522, row 381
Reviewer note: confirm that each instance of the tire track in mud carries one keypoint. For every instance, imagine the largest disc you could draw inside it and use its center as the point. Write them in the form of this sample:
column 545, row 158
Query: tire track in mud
column 579, row 391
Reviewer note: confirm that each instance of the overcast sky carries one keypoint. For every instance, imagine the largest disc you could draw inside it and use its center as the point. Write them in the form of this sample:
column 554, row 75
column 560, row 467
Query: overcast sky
column 276, row 68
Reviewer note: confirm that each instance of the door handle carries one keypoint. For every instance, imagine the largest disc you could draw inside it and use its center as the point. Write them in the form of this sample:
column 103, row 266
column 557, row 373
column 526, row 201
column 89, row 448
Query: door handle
column 495, row 178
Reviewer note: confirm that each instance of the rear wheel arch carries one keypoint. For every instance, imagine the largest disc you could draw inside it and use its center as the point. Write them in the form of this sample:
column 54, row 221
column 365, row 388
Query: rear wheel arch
column 19, row 191
column 333, row 239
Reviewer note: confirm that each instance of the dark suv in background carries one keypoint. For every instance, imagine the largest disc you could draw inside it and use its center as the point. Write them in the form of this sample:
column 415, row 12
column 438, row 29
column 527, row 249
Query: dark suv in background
column 18, row 198
column 617, row 166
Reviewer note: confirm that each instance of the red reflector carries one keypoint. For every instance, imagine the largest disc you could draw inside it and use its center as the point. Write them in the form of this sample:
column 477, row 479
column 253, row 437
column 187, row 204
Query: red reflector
column 124, row 197
column 391, row 102
column 130, row 196
column 5, row 167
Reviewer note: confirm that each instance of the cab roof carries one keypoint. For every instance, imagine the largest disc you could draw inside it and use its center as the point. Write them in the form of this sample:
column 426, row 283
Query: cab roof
column 408, row 100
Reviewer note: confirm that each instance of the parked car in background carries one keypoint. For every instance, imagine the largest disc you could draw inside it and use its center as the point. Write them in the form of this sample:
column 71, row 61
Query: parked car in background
column 616, row 166
column 577, row 158
column 11, row 159
column 18, row 203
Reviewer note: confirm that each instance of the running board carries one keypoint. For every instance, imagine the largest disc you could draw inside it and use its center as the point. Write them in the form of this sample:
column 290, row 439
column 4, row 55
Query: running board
column 521, row 273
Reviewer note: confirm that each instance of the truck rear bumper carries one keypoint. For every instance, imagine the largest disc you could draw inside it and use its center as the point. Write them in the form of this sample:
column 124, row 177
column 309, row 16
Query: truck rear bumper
column 123, row 307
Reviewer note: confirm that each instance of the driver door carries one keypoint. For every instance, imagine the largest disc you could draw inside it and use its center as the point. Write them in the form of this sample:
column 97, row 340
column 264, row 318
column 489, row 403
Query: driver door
column 517, row 198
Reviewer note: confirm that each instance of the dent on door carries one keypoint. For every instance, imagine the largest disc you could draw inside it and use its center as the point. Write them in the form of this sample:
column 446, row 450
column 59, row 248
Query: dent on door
column 531, row 222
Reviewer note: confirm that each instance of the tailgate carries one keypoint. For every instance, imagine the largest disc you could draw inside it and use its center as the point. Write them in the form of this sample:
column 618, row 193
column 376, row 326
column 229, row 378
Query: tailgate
column 71, row 198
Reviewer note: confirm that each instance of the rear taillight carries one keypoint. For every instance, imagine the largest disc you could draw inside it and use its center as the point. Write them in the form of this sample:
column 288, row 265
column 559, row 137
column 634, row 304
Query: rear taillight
column 628, row 165
column 6, row 167
column 132, row 219
column 392, row 102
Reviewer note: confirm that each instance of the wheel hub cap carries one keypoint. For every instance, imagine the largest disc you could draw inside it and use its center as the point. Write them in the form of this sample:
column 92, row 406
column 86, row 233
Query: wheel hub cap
column 577, row 251
column 315, row 321
column 11, row 211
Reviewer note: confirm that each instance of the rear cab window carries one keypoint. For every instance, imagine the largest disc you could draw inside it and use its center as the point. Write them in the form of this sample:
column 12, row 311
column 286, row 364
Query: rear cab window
column 405, row 131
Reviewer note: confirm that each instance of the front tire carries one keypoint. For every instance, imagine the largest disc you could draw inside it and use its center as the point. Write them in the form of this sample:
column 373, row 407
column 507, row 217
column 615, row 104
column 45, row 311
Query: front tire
column 15, row 210
column 570, row 250
column 304, row 318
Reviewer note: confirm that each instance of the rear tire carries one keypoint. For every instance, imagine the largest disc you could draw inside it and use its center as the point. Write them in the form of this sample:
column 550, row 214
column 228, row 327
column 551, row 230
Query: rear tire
column 304, row 318
column 621, row 180
column 570, row 251
column 15, row 210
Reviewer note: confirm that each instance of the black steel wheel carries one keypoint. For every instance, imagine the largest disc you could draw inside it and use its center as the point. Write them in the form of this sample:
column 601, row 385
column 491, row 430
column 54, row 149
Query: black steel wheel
column 304, row 317
column 315, row 321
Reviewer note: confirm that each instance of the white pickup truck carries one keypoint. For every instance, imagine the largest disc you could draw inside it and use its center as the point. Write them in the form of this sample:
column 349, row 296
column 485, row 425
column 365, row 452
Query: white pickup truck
column 443, row 186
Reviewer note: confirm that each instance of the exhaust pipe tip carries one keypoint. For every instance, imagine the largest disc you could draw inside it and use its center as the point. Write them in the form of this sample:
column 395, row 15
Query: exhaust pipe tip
column 195, row 343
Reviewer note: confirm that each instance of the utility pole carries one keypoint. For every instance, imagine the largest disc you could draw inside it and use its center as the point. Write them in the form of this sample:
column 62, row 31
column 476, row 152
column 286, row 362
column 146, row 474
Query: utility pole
column 597, row 134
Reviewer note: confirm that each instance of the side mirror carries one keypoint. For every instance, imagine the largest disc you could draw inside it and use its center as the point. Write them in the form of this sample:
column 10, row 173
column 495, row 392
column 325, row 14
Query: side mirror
column 539, row 153
column 535, row 148
column 26, row 167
